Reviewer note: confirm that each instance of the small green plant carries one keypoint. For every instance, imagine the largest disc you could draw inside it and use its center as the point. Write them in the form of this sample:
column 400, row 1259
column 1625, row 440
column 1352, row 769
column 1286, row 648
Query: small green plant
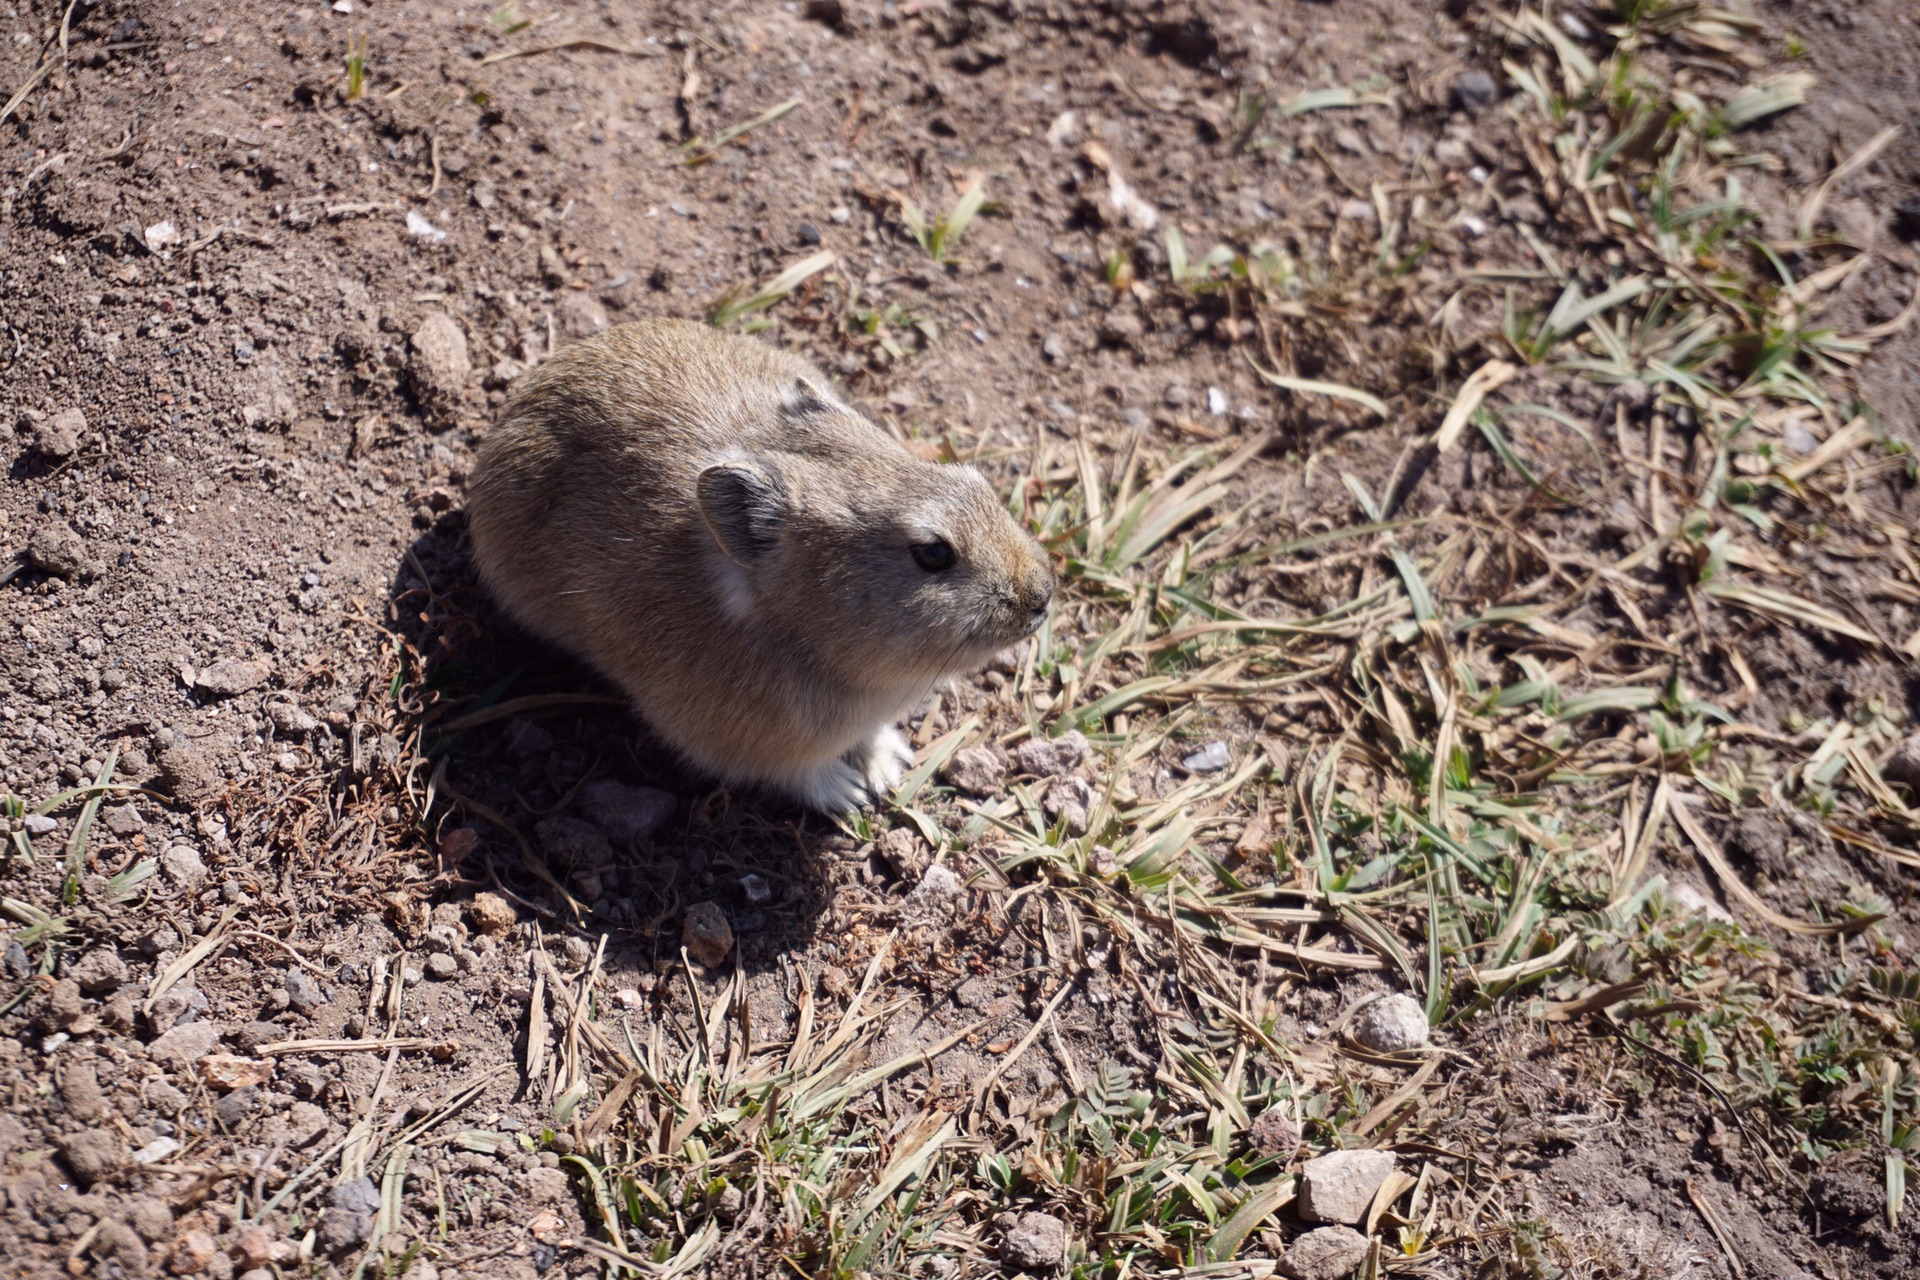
column 887, row 326
column 356, row 68
column 940, row 237
column 742, row 302
column 508, row 20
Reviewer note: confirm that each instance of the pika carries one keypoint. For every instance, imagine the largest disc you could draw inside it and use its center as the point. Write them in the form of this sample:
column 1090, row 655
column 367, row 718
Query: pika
column 773, row 579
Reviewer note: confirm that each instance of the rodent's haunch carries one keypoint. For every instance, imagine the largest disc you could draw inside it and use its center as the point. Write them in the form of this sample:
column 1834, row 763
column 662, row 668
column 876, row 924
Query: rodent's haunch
column 773, row 578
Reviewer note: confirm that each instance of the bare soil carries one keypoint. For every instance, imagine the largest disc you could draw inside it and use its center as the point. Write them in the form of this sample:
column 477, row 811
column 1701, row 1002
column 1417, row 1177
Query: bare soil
column 285, row 318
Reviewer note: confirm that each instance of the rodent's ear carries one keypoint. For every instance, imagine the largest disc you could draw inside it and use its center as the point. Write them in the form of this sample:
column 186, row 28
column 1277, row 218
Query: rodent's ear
column 743, row 507
column 806, row 397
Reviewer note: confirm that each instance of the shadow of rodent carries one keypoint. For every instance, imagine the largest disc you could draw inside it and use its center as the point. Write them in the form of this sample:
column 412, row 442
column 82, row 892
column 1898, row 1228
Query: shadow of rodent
column 769, row 866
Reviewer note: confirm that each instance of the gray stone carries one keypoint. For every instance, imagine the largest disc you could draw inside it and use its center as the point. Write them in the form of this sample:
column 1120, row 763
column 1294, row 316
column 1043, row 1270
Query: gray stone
column 1069, row 799
column 580, row 314
column 357, row 1195
column 1390, row 1024
column 1049, row 757
column 177, row 1006
column 1122, row 329
column 56, row 549
column 441, row 966
column 231, row 677
column 150, row 1217
column 978, row 771
column 58, row 438
column 234, row 1109
column 99, row 972
column 188, row 773
column 626, row 812
column 1035, row 1242
column 904, row 852
column 183, row 866
column 440, row 359
column 931, row 898
column 123, row 819
column 289, row 719
column 186, row 1044
column 1326, row 1253
column 1474, row 91
column 119, row 1242
column 1339, row 1186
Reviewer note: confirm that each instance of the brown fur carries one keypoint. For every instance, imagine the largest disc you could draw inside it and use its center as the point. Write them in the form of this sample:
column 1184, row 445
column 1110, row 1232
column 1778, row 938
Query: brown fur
column 697, row 515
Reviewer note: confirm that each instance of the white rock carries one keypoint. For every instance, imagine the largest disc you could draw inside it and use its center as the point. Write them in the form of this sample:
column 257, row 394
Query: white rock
column 1339, row 1186
column 1391, row 1024
column 157, row 1150
column 1211, row 758
column 421, row 229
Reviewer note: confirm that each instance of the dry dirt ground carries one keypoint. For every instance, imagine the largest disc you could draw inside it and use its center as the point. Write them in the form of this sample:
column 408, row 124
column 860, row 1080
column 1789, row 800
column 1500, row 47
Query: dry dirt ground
column 392, row 944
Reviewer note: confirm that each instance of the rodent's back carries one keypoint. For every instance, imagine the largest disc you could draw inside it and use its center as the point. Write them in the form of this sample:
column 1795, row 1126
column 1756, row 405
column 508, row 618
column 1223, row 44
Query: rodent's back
column 600, row 447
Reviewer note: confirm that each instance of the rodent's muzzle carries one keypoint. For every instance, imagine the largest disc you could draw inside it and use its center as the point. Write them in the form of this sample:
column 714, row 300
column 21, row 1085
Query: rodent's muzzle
column 1036, row 598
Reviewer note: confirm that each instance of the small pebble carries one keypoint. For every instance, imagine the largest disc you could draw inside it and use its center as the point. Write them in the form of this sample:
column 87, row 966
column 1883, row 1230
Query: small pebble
column 707, row 935
column 1474, row 90
column 978, row 771
column 1390, row 1024
column 1033, row 1242
column 1211, row 758
column 808, row 234
column 1325, row 1253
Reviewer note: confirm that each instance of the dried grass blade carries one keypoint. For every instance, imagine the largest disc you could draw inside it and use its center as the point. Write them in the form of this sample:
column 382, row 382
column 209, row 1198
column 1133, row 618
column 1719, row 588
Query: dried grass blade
column 914, row 1150
column 1784, row 607
column 216, row 938
column 1312, row 387
column 1737, row 888
column 602, row 46
column 1844, row 441
column 938, row 752
column 1488, row 377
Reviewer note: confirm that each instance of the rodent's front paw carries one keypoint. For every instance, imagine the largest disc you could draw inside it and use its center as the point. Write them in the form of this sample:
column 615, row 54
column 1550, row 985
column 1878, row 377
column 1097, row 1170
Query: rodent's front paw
column 883, row 760
column 869, row 772
column 835, row 787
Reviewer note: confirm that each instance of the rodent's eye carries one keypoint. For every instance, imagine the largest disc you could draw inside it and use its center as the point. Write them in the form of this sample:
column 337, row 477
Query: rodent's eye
column 934, row 557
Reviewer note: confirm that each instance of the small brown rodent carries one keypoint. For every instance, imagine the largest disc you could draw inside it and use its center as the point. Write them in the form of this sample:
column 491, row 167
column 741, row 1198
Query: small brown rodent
column 773, row 578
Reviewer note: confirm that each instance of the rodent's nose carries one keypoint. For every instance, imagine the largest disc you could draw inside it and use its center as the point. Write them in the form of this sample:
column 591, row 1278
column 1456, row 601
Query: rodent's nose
column 1039, row 593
